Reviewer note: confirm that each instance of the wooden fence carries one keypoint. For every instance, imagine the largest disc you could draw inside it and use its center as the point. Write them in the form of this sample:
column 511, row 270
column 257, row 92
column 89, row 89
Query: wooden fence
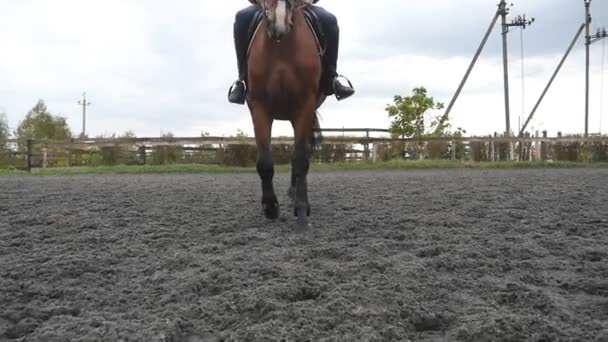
column 241, row 151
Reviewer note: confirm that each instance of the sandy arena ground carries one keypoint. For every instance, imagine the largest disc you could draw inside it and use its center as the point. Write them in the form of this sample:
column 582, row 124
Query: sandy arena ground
column 453, row 255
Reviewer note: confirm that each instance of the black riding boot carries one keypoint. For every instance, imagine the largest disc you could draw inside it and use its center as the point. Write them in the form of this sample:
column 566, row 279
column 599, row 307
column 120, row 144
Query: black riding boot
column 332, row 34
column 238, row 90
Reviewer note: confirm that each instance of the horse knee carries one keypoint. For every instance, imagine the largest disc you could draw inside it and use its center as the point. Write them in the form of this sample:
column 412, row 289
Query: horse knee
column 265, row 168
column 265, row 164
column 301, row 162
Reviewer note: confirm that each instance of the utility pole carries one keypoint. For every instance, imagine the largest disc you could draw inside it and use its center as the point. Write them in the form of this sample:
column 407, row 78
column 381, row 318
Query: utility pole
column 589, row 39
column 520, row 21
column 587, row 45
column 504, row 11
column 84, row 105
column 601, row 34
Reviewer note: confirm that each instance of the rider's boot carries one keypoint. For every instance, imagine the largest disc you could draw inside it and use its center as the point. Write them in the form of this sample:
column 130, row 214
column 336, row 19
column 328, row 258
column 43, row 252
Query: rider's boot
column 238, row 91
column 332, row 30
column 341, row 91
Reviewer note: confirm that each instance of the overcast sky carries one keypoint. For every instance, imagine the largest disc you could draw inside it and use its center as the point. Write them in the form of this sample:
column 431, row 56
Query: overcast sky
column 154, row 66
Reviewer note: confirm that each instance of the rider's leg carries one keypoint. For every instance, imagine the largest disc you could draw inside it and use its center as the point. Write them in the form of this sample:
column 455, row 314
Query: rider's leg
column 241, row 24
column 332, row 33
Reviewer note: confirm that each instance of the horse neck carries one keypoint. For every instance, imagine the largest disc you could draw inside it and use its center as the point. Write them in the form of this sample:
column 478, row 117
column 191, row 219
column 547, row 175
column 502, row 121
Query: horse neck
column 299, row 38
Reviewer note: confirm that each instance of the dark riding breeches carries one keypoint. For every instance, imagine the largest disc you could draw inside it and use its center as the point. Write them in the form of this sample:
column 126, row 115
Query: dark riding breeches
column 241, row 37
column 241, row 40
column 332, row 36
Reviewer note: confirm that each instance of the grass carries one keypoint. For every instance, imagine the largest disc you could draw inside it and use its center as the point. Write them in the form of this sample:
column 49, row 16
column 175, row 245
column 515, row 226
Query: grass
column 392, row 165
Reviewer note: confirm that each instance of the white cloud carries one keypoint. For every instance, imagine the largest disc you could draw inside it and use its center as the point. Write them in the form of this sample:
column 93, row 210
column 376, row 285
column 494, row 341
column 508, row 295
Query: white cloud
column 152, row 66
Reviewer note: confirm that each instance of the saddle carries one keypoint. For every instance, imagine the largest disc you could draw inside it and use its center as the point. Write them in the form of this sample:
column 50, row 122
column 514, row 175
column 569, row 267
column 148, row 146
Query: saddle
column 315, row 25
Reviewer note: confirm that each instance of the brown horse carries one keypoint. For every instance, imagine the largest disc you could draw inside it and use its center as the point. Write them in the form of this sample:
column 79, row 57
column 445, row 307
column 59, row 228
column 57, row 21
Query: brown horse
column 284, row 73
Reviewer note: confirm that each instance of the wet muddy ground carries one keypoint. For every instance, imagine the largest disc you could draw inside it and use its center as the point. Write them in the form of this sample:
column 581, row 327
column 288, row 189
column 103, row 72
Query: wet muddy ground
column 452, row 255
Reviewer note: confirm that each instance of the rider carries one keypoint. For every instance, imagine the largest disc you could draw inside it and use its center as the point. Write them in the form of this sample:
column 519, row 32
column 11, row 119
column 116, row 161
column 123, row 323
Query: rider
column 330, row 27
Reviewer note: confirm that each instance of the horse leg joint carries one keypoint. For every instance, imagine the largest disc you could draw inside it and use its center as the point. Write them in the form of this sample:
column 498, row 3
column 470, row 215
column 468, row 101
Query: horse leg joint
column 301, row 166
column 265, row 168
column 301, row 162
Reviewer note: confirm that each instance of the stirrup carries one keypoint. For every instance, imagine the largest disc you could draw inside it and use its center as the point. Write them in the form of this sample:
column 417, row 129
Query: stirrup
column 240, row 100
column 349, row 91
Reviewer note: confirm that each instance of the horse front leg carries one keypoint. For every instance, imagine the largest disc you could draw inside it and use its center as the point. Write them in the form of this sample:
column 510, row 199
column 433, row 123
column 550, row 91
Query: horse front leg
column 265, row 168
column 291, row 192
column 301, row 165
column 262, row 124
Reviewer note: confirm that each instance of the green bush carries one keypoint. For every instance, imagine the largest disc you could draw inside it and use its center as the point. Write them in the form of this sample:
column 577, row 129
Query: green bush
column 88, row 159
column 238, row 155
column 438, row 150
column 566, row 152
column 600, row 152
column 111, row 155
column 117, row 155
column 502, row 149
column 163, row 155
column 390, row 151
column 282, row 154
column 12, row 163
column 331, row 153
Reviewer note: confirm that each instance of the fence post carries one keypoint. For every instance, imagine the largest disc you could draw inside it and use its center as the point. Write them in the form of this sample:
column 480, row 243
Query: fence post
column 453, row 150
column 375, row 152
column 366, row 145
column 543, row 148
column 488, row 150
column 44, row 157
column 527, row 148
column 142, row 151
column 558, row 149
column 493, row 148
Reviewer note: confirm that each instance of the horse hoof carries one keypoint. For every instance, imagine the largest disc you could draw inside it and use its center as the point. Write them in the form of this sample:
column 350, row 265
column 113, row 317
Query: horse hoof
column 271, row 210
column 303, row 227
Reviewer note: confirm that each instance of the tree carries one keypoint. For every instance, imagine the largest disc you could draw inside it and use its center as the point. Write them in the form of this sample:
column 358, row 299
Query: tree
column 39, row 124
column 4, row 132
column 408, row 114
